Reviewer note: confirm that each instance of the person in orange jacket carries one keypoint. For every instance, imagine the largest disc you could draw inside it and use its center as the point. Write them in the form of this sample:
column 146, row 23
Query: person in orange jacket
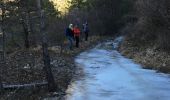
column 76, row 31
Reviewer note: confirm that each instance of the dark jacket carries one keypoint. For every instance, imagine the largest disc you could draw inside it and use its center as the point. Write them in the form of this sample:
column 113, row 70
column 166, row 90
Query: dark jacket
column 85, row 28
column 69, row 32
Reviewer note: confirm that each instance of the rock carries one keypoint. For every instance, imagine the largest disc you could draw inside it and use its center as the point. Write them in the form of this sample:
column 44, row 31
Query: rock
column 38, row 48
column 27, row 66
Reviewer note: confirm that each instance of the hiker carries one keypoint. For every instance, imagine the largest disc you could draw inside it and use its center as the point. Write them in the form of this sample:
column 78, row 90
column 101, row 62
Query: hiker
column 77, row 35
column 70, row 36
column 86, row 31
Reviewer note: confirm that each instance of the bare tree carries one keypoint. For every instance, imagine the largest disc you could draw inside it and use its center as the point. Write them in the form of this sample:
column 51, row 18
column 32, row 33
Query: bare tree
column 1, row 86
column 46, row 57
column 25, row 21
column 3, row 36
column 27, row 30
column 2, row 30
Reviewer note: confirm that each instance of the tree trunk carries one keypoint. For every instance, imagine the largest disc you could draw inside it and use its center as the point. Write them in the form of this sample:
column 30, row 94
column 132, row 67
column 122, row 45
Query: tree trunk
column 3, row 33
column 46, row 57
column 26, row 23
column 1, row 86
column 27, row 28
column 3, row 37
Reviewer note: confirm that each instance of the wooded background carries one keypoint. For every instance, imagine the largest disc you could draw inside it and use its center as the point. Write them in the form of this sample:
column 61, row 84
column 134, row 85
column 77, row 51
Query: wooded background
column 143, row 20
column 28, row 28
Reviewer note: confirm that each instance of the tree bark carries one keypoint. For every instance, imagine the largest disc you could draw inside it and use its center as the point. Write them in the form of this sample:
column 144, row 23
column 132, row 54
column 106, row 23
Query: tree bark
column 3, row 37
column 26, row 23
column 3, row 33
column 27, row 30
column 46, row 57
column 1, row 86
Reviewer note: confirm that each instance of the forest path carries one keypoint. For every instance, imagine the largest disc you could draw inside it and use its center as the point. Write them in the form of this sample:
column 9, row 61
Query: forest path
column 110, row 76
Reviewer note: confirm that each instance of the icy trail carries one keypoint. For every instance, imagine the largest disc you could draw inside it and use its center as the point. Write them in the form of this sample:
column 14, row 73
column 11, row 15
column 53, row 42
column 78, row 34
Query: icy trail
column 110, row 76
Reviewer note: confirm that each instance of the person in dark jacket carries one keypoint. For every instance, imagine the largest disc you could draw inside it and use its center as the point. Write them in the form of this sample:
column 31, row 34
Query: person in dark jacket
column 76, row 31
column 86, row 31
column 70, row 36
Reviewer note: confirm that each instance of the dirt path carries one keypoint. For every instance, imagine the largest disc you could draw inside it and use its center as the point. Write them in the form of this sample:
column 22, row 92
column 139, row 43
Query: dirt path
column 110, row 76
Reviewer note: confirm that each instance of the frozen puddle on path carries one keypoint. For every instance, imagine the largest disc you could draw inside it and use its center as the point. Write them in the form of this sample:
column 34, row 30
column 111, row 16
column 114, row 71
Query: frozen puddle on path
column 110, row 76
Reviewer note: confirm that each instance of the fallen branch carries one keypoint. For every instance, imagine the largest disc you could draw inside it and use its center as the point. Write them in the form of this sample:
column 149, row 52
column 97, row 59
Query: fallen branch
column 6, row 87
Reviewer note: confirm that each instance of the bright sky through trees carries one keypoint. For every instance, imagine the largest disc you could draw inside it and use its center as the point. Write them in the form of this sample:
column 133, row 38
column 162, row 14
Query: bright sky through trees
column 62, row 5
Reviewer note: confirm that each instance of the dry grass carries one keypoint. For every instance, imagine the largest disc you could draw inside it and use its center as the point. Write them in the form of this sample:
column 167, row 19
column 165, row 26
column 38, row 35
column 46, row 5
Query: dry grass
column 149, row 56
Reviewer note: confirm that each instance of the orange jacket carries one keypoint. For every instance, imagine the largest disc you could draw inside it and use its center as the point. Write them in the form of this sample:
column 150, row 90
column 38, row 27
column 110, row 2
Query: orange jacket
column 76, row 31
